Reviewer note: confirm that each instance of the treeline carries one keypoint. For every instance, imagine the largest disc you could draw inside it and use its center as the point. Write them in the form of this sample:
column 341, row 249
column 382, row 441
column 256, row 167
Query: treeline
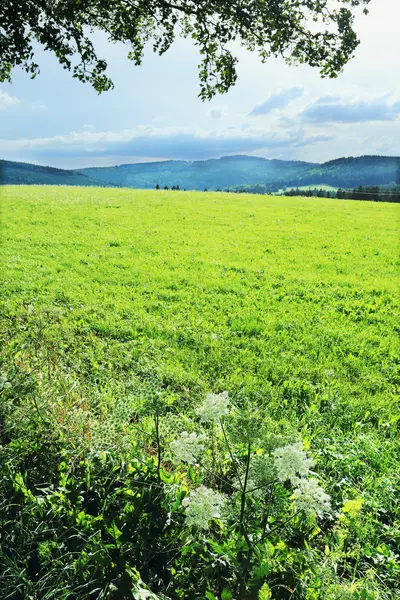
column 371, row 193
column 174, row 188
column 310, row 193
column 177, row 188
column 252, row 188
column 375, row 193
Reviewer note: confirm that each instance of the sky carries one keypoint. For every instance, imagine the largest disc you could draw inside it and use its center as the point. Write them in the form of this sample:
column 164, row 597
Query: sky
column 154, row 113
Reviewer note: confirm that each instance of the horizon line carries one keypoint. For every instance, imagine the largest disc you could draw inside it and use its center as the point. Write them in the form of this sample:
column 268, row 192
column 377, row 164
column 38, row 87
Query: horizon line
column 188, row 161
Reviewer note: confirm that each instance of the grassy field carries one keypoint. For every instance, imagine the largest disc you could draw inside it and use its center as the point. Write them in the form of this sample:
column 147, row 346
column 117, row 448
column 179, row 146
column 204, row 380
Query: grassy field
column 289, row 304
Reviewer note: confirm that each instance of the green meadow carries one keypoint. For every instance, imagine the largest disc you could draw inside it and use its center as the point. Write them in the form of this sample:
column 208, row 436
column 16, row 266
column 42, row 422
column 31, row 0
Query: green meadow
column 289, row 304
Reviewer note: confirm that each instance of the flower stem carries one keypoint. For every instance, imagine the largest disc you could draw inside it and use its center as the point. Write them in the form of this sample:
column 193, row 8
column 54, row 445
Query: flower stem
column 156, row 420
column 231, row 455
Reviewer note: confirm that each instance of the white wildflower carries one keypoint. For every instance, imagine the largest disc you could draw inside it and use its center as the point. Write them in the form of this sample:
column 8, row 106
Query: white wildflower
column 214, row 407
column 311, row 498
column 202, row 505
column 292, row 463
column 187, row 447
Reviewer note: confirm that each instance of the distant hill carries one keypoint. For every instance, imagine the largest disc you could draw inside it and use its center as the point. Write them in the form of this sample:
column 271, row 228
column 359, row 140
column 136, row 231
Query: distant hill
column 234, row 172
column 211, row 174
column 18, row 173
column 351, row 172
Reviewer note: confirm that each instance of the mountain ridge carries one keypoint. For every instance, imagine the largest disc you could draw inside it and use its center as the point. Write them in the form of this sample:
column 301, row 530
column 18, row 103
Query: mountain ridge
column 217, row 173
column 22, row 173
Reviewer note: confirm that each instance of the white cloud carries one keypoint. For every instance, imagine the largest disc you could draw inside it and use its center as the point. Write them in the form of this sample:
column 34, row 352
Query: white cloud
column 334, row 109
column 6, row 100
column 277, row 101
column 170, row 142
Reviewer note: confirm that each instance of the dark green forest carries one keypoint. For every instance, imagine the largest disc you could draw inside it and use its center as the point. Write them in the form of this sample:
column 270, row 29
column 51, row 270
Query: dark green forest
column 231, row 173
column 368, row 193
column 18, row 173
column 352, row 172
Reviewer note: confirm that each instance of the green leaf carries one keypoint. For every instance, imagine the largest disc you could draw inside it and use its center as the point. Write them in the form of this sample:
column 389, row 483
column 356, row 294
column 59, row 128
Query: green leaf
column 114, row 531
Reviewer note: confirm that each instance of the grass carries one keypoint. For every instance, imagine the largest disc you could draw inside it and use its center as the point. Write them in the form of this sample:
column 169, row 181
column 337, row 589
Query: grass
column 288, row 303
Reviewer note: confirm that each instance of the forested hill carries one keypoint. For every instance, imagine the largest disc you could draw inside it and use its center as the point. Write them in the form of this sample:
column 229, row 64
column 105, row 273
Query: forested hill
column 351, row 172
column 18, row 173
column 211, row 174
column 223, row 173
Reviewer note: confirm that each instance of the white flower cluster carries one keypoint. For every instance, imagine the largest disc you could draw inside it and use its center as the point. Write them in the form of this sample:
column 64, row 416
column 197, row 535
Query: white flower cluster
column 214, row 407
column 311, row 498
column 292, row 463
column 187, row 447
column 202, row 505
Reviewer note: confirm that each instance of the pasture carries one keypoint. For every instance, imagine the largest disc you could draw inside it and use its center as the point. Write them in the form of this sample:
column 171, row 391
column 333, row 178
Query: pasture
column 288, row 304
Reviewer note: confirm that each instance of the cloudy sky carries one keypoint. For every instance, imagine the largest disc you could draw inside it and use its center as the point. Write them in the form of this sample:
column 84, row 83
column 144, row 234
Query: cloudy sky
column 275, row 111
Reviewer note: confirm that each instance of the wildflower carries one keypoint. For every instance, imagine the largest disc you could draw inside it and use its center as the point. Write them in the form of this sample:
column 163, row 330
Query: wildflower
column 292, row 463
column 202, row 505
column 214, row 407
column 311, row 498
column 187, row 447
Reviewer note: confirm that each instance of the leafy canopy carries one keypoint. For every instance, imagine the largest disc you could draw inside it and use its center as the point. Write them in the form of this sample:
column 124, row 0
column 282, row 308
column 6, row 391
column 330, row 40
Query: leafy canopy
column 316, row 32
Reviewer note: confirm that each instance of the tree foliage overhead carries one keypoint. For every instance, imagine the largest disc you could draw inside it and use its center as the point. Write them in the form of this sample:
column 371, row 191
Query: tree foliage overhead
column 316, row 32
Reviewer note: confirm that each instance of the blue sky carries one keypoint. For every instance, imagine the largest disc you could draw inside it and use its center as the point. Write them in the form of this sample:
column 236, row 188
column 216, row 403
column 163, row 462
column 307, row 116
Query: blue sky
column 275, row 111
